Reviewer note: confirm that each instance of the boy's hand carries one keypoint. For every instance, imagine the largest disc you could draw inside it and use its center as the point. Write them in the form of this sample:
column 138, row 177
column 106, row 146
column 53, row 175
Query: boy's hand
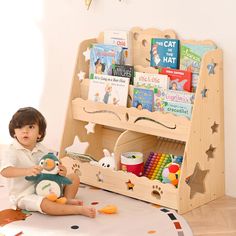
column 35, row 170
column 62, row 170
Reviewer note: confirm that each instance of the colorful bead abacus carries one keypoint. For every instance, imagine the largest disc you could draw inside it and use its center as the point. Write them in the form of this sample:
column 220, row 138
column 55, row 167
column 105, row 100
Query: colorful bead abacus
column 155, row 164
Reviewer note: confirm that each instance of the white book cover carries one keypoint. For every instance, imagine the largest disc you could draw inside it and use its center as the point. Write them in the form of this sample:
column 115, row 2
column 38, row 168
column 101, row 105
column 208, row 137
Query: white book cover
column 151, row 81
column 109, row 89
column 122, row 39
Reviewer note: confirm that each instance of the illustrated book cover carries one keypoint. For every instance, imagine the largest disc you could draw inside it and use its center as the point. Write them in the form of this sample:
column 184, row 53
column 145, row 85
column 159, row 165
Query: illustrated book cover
column 123, row 71
column 173, row 96
column 177, row 108
column 165, row 53
column 178, row 79
column 109, row 89
column 191, row 57
column 121, row 38
column 102, row 57
column 151, row 81
column 143, row 98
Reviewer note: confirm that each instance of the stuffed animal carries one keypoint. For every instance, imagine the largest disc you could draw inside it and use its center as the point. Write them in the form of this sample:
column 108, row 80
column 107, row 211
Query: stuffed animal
column 49, row 183
column 108, row 161
column 171, row 172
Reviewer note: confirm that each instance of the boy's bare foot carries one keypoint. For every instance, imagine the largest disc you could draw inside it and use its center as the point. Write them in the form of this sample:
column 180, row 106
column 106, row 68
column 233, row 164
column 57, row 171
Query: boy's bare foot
column 74, row 201
column 53, row 208
column 87, row 211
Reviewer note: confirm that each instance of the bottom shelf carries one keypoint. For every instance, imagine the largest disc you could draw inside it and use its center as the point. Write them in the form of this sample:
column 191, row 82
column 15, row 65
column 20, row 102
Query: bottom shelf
column 125, row 183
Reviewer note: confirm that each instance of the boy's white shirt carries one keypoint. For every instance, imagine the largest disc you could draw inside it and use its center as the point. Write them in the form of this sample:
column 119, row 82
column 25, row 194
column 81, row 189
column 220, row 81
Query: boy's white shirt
column 18, row 156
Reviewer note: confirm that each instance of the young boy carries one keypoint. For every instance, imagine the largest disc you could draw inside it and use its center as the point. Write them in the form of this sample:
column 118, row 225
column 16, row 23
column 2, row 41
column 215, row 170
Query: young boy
column 28, row 128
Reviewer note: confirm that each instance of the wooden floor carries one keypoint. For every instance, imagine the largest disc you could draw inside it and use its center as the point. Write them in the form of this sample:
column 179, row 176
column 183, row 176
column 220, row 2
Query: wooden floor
column 217, row 218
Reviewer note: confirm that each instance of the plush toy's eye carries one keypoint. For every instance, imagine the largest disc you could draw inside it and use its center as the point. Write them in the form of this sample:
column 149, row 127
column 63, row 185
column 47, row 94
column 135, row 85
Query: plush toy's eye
column 108, row 165
column 57, row 163
column 103, row 164
column 41, row 162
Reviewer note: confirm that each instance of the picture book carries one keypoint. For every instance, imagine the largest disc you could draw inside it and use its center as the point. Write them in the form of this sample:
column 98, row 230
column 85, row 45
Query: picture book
column 123, row 71
column 109, row 89
column 122, row 39
column 178, row 79
column 177, row 108
column 191, row 56
column 190, row 59
column 143, row 98
column 174, row 96
column 165, row 53
column 102, row 56
column 151, row 81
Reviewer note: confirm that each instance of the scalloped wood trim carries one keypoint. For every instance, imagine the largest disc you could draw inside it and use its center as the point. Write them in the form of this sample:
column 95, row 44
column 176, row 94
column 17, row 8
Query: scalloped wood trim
column 144, row 189
column 165, row 125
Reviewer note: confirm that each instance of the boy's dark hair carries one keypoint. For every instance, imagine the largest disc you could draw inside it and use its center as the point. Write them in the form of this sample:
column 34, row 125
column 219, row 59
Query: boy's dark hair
column 28, row 116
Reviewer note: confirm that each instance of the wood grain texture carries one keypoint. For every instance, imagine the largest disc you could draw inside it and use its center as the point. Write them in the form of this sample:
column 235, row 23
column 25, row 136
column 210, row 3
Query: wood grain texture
column 216, row 218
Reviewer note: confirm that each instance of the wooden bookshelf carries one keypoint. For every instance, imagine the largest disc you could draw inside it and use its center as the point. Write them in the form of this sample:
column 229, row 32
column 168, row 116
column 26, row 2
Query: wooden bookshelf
column 200, row 140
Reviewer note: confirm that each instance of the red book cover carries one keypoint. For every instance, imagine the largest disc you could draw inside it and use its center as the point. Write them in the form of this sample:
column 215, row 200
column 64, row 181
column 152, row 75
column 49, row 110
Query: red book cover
column 179, row 79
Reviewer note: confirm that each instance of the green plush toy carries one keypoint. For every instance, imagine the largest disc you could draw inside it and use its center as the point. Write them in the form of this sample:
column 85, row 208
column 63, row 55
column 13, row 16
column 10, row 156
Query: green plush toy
column 49, row 183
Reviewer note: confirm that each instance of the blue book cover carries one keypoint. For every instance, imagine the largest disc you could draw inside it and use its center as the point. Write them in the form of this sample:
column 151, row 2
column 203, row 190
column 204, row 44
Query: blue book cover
column 102, row 57
column 143, row 98
column 165, row 53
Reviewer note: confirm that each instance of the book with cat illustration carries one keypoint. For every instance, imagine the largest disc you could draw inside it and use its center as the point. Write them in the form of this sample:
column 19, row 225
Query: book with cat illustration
column 164, row 53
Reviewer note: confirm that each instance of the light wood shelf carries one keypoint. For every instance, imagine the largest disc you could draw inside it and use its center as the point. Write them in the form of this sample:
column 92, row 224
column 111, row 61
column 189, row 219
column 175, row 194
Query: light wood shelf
column 200, row 140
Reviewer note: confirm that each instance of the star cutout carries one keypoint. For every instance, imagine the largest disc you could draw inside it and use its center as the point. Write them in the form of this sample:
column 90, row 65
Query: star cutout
column 211, row 68
column 99, row 177
column 203, row 92
column 90, row 127
column 210, row 152
column 130, row 185
column 215, row 127
column 196, row 181
column 87, row 54
column 77, row 147
column 81, row 75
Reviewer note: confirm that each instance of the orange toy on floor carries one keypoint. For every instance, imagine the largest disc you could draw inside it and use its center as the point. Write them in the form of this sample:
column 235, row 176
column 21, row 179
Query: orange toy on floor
column 109, row 209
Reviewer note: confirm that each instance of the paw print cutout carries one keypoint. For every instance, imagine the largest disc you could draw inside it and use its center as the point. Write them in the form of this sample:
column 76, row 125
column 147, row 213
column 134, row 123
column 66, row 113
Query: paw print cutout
column 76, row 169
column 156, row 191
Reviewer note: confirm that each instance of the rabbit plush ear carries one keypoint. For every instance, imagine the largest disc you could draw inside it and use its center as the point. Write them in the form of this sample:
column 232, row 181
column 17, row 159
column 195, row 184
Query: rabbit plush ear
column 106, row 153
column 94, row 163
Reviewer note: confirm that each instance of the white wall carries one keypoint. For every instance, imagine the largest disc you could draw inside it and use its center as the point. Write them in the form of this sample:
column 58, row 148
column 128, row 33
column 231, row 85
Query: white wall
column 43, row 78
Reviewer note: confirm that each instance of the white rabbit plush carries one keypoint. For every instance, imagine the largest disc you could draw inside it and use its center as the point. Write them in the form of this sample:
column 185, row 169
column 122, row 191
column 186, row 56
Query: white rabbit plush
column 108, row 161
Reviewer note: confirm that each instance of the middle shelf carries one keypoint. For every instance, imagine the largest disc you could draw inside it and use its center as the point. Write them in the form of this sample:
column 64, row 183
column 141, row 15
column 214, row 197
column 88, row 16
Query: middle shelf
column 155, row 123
